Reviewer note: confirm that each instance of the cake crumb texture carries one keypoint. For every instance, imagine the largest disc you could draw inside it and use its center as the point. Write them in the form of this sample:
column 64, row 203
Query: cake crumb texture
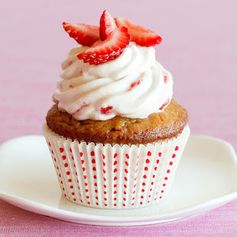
column 120, row 130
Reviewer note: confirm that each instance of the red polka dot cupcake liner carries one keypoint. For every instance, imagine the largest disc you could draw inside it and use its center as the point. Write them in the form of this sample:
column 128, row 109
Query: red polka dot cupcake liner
column 115, row 176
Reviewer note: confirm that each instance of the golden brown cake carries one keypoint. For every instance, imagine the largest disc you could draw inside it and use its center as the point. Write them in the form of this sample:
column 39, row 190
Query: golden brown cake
column 119, row 130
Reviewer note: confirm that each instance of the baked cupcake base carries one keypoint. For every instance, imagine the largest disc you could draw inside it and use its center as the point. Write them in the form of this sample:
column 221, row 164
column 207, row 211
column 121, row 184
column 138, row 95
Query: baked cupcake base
column 115, row 176
column 120, row 130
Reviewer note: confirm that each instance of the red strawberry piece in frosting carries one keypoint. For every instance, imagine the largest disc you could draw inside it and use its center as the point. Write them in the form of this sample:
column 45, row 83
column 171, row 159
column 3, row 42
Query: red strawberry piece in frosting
column 140, row 35
column 134, row 84
column 107, row 25
column 106, row 110
column 84, row 34
column 164, row 105
column 166, row 78
column 106, row 50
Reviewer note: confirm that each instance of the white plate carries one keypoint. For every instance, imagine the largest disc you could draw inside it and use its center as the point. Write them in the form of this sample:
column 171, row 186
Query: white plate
column 206, row 179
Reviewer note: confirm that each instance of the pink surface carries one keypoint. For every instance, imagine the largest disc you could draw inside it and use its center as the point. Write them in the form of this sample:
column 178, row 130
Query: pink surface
column 199, row 48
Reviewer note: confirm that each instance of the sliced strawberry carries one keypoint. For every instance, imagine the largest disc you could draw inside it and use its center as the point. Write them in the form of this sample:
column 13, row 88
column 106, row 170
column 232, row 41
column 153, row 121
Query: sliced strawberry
column 139, row 35
column 108, row 49
column 107, row 25
column 82, row 33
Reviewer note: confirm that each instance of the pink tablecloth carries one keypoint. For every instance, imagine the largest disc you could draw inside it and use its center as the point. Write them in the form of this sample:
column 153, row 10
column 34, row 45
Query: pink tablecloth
column 199, row 48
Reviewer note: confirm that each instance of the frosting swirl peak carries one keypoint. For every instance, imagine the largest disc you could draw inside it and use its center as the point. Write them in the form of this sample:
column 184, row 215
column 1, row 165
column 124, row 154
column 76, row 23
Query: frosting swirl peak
column 134, row 85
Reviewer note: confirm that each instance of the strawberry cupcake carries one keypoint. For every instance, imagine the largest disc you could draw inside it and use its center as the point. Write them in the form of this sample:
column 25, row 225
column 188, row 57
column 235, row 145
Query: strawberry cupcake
column 115, row 134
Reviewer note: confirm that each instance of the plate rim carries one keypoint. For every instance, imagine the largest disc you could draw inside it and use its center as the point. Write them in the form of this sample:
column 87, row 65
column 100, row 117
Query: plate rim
column 102, row 220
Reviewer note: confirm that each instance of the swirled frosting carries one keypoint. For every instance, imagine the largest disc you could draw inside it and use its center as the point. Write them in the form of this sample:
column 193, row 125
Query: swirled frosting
column 134, row 85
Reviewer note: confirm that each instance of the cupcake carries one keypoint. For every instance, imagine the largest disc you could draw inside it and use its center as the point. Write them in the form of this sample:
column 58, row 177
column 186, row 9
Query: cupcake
column 115, row 134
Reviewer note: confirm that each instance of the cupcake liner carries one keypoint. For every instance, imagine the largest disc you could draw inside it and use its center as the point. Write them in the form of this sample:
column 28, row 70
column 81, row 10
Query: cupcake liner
column 115, row 176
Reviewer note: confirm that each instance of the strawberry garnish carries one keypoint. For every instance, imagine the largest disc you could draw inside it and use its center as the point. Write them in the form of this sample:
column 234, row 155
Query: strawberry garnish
column 139, row 35
column 107, row 25
column 106, row 110
column 84, row 34
column 108, row 49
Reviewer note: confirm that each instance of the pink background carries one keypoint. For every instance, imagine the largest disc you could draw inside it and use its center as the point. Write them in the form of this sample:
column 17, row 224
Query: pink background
column 199, row 48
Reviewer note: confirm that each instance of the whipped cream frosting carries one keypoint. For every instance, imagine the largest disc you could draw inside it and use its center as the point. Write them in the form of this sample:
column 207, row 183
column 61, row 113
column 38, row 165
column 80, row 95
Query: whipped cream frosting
column 134, row 85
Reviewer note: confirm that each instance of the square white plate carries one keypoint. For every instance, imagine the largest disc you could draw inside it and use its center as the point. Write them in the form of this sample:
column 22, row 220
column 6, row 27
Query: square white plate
column 206, row 179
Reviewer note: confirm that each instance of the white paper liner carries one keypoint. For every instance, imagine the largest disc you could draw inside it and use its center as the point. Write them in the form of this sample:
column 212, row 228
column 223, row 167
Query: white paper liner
column 115, row 176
